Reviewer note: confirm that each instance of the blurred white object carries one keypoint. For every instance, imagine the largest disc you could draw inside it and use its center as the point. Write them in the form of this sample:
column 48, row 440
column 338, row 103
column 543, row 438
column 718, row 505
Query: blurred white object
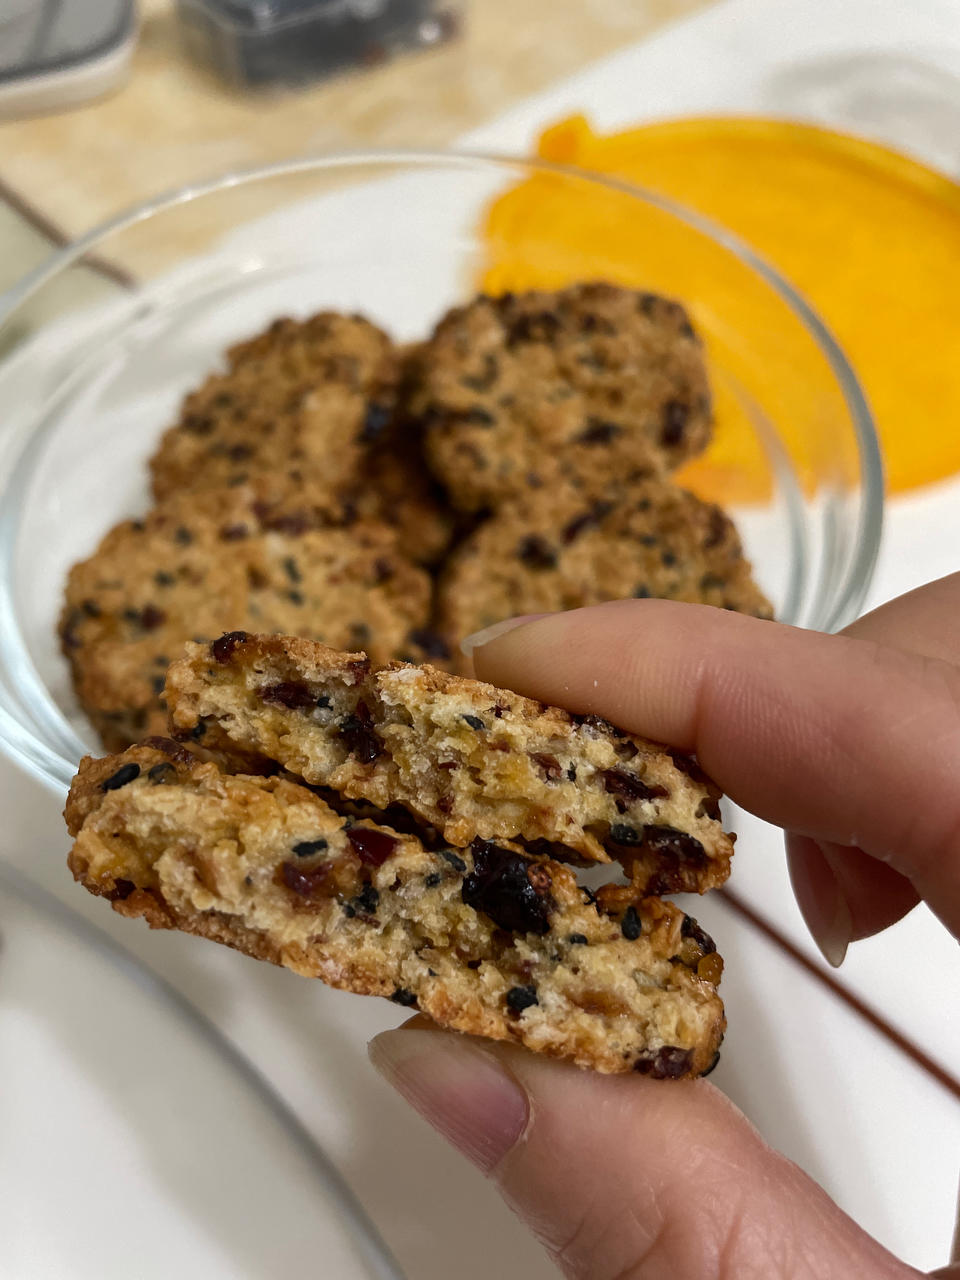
column 59, row 53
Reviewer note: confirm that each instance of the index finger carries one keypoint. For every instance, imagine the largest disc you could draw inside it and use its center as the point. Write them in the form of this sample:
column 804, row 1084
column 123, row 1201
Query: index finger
column 838, row 738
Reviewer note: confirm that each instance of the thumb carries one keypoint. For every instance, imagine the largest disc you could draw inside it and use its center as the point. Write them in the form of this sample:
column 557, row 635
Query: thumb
column 622, row 1178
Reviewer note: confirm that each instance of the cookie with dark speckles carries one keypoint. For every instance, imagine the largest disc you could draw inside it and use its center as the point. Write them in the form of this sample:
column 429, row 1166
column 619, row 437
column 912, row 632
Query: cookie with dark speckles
column 222, row 559
column 305, row 394
column 564, row 551
column 466, row 758
column 588, row 384
column 485, row 940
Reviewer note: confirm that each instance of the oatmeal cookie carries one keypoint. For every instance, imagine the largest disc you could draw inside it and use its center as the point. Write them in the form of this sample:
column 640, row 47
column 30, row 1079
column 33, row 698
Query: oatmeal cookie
column 565, row 551
column 469, row 759
column 222, row 559
column 485, row 940
column 310, row 395
column 588, row 384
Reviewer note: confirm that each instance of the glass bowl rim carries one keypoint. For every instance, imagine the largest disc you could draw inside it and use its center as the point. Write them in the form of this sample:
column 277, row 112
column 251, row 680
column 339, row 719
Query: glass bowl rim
column 851, row 589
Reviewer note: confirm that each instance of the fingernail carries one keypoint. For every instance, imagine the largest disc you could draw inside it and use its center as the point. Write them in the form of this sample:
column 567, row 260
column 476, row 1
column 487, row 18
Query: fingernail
column 458, row 1087
column 822, row 902
column 480, row 638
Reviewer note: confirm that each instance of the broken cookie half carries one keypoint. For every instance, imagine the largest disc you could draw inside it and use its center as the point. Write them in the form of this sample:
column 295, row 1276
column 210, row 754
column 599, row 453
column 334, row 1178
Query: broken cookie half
column 486, row 938
column 461, row 756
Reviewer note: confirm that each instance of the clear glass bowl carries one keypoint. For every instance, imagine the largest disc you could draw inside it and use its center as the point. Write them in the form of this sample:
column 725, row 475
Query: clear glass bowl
column 99, row 345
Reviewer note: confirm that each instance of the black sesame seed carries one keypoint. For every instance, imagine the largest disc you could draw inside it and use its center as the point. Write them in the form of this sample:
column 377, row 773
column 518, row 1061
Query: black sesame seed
column 164, row 579
column 641, row 592
column 572, row 773
column 404, row 997
column 368, row 899
column 162, row 773
column 183, row 536
column 520, row 998
column 126, row 773
column 454, row 859
column 630, row 925
column 668, row 558
column 307, row 848
column 91, row 609
column 433, row 880
column 323, row 702
column 577, row 939
column 158, row 684
column 295, row 596
column 620, row 833
column 291, row 569
column 474, row 722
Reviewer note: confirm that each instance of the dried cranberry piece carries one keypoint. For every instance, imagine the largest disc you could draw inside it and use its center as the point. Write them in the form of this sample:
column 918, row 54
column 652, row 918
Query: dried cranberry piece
column 358, row 734
column 372, row 847
column 668, row 1063
column 690, row 929
column 579, row 523
column 126, row 773
column 629, row 787
column 222, row 648
column 383, row 570
column 599, row 432
column 536, row 552
column 501, row 886
column 151, row 617
column 306, row 882
column 676, row 846
column 288, row 693
column 551, row 766
column 676, row 415
column 234, row 533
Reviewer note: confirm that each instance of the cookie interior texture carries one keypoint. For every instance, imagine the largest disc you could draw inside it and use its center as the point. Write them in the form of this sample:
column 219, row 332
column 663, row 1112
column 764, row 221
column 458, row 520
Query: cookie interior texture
column 487, row 939
column 465, row 757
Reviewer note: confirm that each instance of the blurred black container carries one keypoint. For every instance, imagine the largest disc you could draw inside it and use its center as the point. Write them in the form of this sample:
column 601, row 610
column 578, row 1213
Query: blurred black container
column 276, row 43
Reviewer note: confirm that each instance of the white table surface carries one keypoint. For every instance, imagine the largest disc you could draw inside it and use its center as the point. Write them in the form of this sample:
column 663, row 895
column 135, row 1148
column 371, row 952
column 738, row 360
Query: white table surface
column 128, row 1150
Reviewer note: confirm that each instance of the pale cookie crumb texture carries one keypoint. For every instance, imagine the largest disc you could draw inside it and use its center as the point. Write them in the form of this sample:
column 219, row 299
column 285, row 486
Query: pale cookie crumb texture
column 486, row 940
column 260, row 556
column 563, row 550
column 470, row 760
column 588, row 385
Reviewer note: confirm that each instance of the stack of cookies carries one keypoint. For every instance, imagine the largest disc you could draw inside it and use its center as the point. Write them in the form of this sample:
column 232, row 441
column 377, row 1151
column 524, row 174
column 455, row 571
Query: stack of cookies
column 332, row 485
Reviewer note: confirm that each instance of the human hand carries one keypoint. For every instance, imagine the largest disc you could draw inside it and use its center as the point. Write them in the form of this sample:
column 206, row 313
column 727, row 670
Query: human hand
column 850, row 743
